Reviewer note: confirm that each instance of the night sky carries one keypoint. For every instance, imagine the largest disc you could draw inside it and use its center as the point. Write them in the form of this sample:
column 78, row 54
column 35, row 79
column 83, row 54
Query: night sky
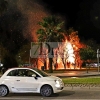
column 83, row 16
column 67, row 8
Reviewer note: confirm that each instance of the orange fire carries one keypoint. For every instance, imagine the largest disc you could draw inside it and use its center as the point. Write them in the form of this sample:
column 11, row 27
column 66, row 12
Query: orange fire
column 66, row 55
column 70, row 53
column 64, row 58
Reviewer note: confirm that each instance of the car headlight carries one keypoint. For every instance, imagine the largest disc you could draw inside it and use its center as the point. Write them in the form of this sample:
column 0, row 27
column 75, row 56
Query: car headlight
column 57, row 83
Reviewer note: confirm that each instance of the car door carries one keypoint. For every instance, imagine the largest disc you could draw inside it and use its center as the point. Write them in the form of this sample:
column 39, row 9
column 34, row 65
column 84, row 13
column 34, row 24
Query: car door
column 24, row 82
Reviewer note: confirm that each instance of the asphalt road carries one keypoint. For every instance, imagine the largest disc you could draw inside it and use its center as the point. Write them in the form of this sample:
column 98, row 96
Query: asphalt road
column 69, row 93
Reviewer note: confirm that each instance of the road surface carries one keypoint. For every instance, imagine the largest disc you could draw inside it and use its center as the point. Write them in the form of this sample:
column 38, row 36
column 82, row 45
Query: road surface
column 69, row 93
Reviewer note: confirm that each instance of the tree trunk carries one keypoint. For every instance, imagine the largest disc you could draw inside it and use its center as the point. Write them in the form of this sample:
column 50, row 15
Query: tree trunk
column 45, row 65
column 50, row 65
column 51, row 61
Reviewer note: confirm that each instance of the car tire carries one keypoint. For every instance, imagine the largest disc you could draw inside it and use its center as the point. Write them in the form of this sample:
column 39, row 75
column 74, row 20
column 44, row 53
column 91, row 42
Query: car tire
column 46, row 91
column 3, row 90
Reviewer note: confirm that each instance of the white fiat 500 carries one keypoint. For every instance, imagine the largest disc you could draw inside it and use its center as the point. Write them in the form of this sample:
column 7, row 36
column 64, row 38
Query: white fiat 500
column 29, row 80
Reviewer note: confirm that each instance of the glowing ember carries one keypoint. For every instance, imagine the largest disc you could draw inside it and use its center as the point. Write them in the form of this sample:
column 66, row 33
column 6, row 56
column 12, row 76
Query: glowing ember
column 70, row 53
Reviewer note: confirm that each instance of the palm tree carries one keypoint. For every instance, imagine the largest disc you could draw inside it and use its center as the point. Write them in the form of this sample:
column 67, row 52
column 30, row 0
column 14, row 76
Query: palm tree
column 3, row 6
column 51, row 30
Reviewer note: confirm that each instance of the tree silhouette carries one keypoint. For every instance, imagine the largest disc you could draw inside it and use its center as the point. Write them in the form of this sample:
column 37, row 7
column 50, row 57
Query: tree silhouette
column 51, row 31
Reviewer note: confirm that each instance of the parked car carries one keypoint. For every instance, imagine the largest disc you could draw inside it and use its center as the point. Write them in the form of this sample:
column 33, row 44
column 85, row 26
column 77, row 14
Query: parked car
column 93, row 64
column 28, row 80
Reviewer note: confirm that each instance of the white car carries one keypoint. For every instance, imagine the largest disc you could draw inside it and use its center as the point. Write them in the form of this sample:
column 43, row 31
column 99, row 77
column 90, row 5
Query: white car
column 29, row 80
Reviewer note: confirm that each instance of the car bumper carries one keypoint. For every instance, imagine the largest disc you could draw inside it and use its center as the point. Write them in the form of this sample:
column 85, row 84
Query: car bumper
column 56, row 90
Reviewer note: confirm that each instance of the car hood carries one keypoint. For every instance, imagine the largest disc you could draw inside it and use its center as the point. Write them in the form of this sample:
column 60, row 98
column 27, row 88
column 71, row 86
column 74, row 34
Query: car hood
column 51, row 77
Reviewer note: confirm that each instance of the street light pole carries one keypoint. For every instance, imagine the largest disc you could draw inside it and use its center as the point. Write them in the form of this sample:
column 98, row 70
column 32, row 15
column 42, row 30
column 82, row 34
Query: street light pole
column 0, row 56
column 98, row 59
column 29, row 60
column 29, row 57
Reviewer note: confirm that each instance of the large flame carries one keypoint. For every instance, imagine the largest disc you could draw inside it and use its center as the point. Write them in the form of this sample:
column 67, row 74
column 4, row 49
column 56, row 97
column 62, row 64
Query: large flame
column 65, row 57
column 70, row 52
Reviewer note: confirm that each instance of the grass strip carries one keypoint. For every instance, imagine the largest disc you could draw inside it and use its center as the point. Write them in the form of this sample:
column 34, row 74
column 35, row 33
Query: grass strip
column 81, row 80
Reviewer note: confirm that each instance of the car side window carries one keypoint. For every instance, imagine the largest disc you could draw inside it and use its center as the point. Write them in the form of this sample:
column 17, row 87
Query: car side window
column 22, row 73
column 12, row 73
column 17, row 72
column 29, row 73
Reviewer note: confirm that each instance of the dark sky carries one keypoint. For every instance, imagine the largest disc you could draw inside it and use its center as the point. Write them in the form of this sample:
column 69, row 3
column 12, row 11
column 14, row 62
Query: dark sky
column 82, row 15
column 68, row 8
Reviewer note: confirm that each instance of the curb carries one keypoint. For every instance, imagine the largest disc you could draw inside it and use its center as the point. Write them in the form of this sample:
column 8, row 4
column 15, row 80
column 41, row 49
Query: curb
column 76, row 76
column 82, row 85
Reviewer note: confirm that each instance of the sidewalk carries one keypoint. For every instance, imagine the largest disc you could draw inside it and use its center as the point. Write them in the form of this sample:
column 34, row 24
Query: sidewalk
column 77, row 74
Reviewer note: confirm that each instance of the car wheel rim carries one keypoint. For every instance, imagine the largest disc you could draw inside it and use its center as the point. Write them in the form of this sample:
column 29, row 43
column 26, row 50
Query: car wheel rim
column 46, row 91
column 3, row 91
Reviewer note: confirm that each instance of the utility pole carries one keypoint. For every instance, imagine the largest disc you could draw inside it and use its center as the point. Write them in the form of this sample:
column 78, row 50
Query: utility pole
column 0, row 56
column 98, row 55
column 30, row 57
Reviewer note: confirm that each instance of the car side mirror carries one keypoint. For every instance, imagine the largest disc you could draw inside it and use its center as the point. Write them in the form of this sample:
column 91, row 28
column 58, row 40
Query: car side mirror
column 33, row 75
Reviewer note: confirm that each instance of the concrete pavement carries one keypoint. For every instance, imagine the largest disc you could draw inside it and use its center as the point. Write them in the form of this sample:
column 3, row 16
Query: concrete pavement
column 77, row 74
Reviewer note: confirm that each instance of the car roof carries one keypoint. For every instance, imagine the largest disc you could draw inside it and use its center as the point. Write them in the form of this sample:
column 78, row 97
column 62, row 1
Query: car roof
column 20, row 68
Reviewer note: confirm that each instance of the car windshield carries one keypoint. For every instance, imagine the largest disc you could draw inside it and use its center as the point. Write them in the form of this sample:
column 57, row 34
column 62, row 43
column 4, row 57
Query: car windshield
column 44, row 74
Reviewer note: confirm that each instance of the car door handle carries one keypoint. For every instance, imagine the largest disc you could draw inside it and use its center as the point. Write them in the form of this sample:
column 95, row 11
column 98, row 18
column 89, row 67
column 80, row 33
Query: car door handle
column 17, row 80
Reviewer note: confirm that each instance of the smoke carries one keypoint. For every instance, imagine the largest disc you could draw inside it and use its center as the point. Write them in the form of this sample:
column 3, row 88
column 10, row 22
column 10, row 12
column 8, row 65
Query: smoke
column 33, row 12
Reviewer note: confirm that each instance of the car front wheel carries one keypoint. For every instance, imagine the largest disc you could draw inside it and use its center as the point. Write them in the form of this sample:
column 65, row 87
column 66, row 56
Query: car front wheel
column 3, row 90
column 46, row 91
